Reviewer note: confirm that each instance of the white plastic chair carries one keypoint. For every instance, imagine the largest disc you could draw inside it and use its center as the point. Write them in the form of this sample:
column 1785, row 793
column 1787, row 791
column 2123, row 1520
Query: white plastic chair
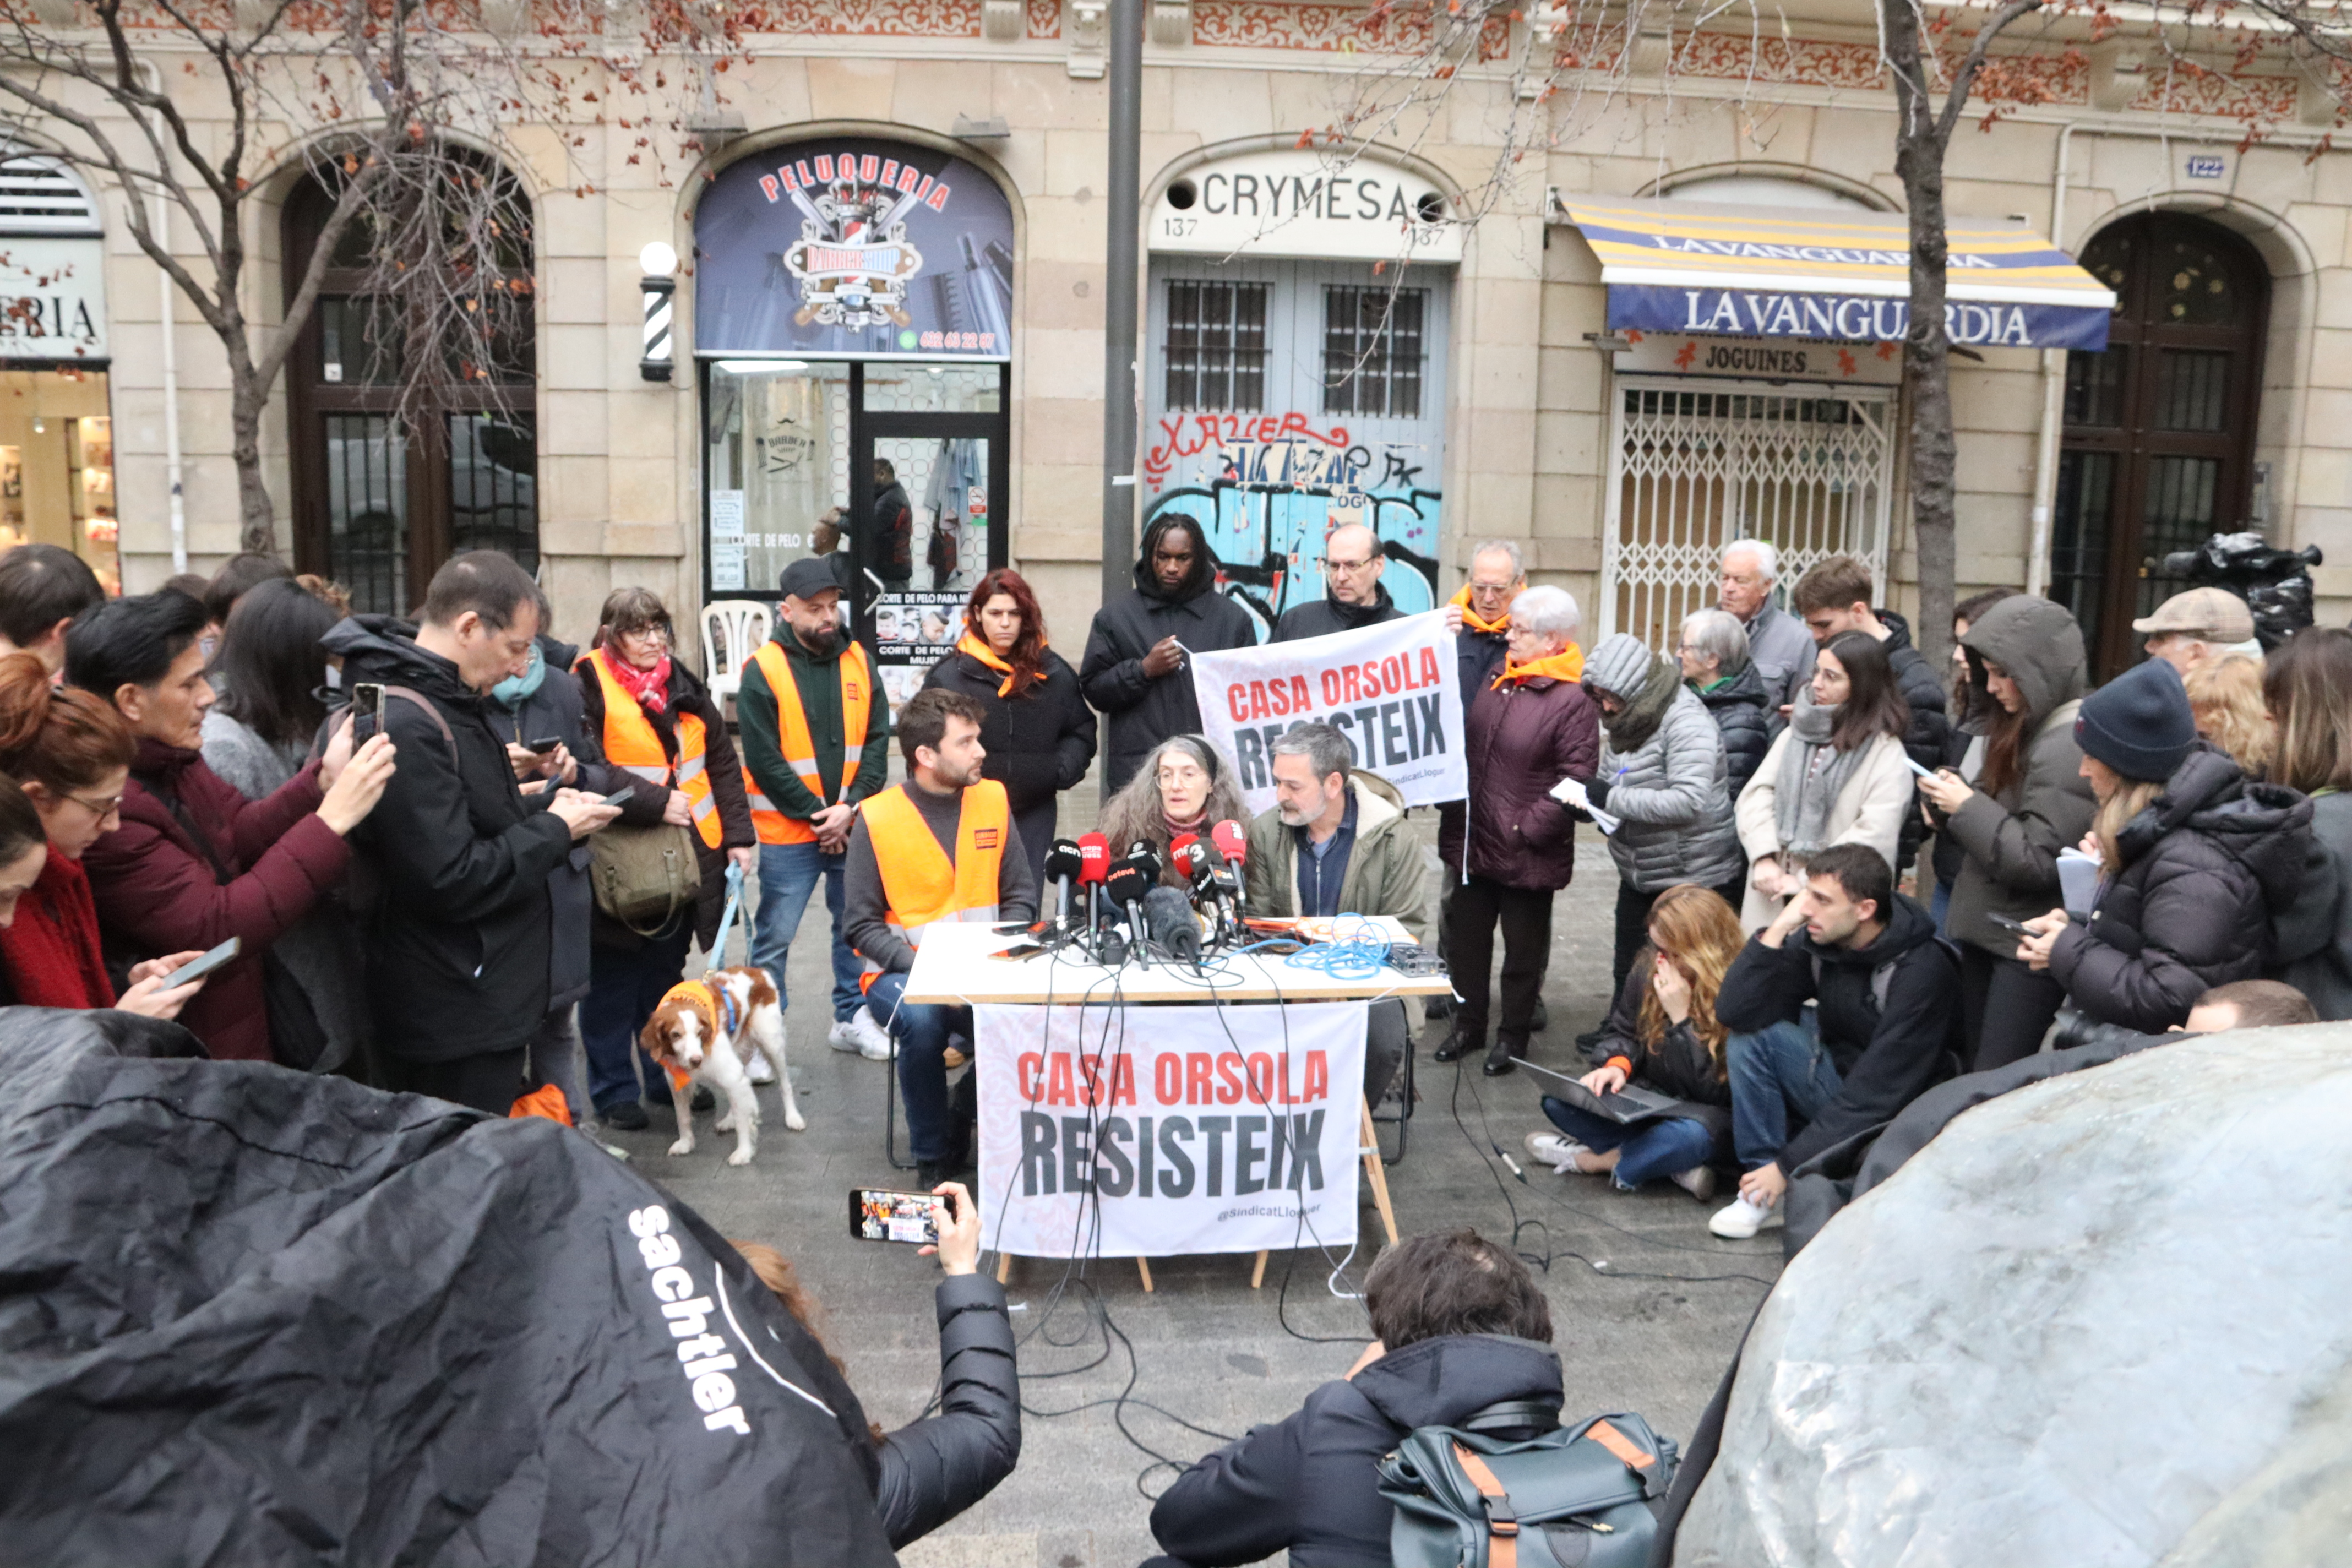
column 732, row 631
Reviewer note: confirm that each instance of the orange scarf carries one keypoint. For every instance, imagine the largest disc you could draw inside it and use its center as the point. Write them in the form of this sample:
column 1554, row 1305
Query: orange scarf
column 1496, row 626
column 1568, row 664
column 979, row 651
column 708, row 1003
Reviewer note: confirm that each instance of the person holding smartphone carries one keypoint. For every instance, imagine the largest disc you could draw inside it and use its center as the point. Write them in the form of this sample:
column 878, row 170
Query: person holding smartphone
column 935, row 1467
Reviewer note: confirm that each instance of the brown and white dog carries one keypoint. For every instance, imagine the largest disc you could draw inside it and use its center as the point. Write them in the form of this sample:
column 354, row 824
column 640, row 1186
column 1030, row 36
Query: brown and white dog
column 704, row 1031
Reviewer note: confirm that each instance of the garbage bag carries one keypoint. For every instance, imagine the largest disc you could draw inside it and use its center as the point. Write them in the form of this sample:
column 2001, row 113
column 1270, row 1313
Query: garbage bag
column 250, row 1316
column 2099, row 1321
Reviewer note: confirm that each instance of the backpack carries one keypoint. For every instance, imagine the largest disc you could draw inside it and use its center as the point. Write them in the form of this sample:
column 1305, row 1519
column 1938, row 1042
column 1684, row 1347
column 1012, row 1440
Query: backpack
column 1579, row 1497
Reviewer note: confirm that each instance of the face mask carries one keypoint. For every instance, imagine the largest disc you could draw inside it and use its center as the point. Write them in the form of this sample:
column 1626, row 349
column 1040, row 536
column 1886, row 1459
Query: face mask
column 515, row 688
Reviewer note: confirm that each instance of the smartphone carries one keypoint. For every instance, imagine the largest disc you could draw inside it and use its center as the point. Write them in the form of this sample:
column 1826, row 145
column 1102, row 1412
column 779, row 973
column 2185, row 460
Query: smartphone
column 367, row 711
column 2008, row 924
column 1915, row 767
column 1026, row 950
column 621, row 797
column 206, row 962
column 876, row 1214
column 540, row 748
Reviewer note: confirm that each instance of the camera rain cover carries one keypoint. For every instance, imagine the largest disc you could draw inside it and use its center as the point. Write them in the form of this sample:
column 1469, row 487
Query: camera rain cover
column 250, row 1316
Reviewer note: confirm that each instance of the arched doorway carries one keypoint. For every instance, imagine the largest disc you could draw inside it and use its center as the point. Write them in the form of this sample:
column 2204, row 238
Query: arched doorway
column 381, row 502
column 2160, row 432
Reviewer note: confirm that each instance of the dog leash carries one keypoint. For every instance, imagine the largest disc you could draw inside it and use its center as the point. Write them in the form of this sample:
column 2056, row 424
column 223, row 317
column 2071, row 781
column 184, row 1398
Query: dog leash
column 718, row 951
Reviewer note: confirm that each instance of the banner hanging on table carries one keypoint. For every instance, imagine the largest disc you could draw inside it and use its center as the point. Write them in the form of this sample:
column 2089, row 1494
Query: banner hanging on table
column 1225, row 1128
column 1392, row 689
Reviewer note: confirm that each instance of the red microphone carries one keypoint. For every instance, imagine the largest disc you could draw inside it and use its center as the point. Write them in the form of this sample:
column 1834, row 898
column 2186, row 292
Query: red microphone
column 1094, row 858
column 1181, row 848
column 1228, row 838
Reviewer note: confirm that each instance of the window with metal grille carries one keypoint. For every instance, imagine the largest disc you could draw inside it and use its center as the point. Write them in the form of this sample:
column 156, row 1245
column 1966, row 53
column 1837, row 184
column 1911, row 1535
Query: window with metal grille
column 1215, row 351
column 1372, row 350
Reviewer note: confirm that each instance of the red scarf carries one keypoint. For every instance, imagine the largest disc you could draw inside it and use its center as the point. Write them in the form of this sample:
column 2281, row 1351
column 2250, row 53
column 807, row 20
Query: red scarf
column 50, row 951
column 649, row 687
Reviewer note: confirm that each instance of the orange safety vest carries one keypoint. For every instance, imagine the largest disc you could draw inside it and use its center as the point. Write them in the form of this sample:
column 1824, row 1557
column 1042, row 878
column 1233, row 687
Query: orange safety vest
column 799, row 747
column 631, row 743
column 921, row 884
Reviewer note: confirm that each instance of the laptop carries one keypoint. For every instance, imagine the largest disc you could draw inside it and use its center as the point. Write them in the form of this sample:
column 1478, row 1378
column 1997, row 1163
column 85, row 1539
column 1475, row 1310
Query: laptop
column 1626, row 1107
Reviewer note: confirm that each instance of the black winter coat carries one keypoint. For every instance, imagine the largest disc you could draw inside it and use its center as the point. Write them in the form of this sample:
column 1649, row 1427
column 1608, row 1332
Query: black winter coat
column 1678, row 1064
column 1929, row 734
column 646, row 800
column 1321, row 617
column 2206, row 867
column 1737, row 706
column 1143, row 711
column 459, row 942
column 1038, row 743
column 555, row 709
column 934, row 1468
column 1478, row 658
column 1523, row 738
column 1883, row 1058
column 1310, row 1483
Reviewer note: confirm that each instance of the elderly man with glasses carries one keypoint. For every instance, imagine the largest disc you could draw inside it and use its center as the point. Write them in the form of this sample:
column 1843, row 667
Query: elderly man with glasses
column 1352, row 594
column 1777, row 640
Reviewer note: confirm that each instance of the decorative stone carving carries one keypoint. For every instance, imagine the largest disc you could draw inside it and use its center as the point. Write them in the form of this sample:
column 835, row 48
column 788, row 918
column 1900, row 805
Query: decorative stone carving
column 1086, row 24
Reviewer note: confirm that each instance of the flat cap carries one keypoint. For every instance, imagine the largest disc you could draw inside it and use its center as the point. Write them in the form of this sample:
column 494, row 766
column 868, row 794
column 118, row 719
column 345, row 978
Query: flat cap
column 2213, row 614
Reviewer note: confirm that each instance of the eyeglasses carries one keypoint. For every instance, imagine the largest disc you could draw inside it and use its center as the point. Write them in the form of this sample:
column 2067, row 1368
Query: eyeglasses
column 646, row 634
column 1333, row 564
column 100, row 809
column 1489, row 590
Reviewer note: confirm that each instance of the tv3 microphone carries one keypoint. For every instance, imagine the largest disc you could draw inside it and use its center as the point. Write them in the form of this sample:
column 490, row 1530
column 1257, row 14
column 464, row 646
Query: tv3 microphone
column 1234, row 845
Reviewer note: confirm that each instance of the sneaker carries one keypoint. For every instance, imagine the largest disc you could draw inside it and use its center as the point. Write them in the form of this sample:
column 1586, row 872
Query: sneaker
column 1698, row 1182
column 1554, row 1149
column 874, row 1042
column 843, row 1037
column 627, row 1116
column 1742, row 1219
column 760, row 1072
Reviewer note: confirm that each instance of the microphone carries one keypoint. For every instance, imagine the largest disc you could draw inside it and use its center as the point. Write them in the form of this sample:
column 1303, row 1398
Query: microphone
column 1145, row 858
column 1127, row 886
column 1235, row 846
column 1062, row 864
column 1187, row 856
column 1172, row 925
column 1094, row 865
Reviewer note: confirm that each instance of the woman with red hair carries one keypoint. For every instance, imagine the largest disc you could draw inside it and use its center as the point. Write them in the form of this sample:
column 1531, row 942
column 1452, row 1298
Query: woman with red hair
column 1039, row 733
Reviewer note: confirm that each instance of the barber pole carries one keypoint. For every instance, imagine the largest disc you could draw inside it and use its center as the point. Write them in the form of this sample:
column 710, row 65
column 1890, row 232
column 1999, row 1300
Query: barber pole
column 658, row 292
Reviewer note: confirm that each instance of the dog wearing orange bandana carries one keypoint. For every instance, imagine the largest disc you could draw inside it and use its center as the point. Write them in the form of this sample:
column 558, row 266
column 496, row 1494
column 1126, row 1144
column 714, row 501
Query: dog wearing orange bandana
column 705, row 1031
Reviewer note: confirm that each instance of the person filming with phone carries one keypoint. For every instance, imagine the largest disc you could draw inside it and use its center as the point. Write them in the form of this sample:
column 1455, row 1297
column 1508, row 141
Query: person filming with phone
column 459, row 944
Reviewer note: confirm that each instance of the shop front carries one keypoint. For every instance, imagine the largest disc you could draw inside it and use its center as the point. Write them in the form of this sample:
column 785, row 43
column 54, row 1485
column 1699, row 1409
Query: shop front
column 1297, row 361
column 853, row 334
column 56, row 432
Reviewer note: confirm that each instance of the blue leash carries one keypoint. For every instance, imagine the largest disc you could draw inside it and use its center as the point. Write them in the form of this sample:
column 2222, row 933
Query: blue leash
column 726, row 921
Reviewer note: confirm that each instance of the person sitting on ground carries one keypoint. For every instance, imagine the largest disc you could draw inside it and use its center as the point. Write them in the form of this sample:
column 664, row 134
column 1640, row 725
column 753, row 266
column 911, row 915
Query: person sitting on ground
column 1335, row 842
column 1662, row 1035
column 2199, row 626
column 195, row 862
column 936, row 1466
column 1837, row 775
column 2226, row 697
column 1352, row 594
column 42, row 588
column 1459, row 1324
column 70, row 753
column 1886, row 994
column 2196, row 862
column 923, row 852
column 1661, row 774
column 1184, row 787
column 1713, row 652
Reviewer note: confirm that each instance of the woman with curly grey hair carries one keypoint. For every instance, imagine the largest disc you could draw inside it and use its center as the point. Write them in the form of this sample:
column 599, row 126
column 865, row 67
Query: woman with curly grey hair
column 1184, row 787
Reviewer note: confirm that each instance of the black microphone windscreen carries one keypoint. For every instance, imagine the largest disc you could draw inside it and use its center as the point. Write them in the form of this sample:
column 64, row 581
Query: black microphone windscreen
column 1167, row 915
column 1127, row 883
column 1145, row 858
column 1062, row 860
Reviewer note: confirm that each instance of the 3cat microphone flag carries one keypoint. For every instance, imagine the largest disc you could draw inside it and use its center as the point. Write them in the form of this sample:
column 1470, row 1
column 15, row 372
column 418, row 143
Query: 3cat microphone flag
column 1392, row 689
column 1219, row 1128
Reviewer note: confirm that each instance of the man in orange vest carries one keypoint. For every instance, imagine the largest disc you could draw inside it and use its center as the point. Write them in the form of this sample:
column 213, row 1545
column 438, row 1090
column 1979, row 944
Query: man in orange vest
column 940, row 847
column 817, row 737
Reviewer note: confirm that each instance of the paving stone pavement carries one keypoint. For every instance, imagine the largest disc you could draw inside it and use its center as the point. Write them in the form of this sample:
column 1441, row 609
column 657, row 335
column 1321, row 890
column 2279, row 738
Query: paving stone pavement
column 1647, row 1306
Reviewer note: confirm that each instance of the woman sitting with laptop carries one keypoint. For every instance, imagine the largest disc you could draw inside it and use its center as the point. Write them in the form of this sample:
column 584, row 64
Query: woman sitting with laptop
column 1664, row 1042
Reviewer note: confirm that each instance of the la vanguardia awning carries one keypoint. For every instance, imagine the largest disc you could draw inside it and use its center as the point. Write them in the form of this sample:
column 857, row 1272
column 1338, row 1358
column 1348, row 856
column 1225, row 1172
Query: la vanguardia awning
column 1828, row 273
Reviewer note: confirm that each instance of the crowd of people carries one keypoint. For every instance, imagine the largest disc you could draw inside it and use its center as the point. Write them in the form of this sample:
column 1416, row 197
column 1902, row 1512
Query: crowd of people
column 412, row 881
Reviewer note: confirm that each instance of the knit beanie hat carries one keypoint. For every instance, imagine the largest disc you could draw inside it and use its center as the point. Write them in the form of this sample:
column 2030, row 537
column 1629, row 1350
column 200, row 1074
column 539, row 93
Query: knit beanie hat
column 1619, row 664
column 2139, row 723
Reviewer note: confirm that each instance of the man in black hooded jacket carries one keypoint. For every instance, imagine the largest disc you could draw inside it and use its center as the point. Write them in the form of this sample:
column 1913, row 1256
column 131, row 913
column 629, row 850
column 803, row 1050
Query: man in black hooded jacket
column 459, row 944
column 1134, row 671
column 1887, row 995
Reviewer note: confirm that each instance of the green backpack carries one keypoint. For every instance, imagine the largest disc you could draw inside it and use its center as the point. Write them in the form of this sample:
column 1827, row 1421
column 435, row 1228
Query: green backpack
column 1574, row 1497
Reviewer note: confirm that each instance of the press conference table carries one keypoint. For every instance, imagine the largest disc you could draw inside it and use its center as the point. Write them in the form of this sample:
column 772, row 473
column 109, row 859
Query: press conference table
column 955, row 967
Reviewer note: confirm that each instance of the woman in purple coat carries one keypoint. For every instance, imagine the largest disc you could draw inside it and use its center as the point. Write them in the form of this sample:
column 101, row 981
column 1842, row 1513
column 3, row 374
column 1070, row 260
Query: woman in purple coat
column 1517, row 847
